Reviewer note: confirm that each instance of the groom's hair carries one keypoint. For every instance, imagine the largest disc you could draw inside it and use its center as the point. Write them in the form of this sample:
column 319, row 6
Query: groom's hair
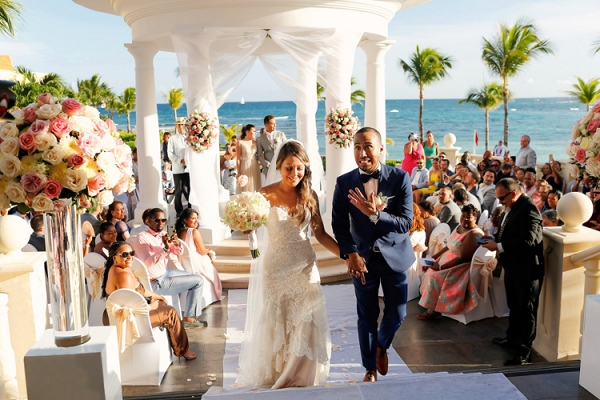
column 268, row 119
column 368, row 129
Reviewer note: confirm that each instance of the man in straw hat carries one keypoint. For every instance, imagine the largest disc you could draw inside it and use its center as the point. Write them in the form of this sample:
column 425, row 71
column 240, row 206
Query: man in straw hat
column 181, row 177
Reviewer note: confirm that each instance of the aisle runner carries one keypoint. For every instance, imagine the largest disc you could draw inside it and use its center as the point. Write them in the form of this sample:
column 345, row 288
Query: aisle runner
column 345, row 355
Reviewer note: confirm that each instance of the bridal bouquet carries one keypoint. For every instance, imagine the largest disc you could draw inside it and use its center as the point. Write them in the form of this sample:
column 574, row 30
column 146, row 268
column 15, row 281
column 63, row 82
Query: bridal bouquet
column 56, row 153
column 340, row 127
column 247, row 211
column 584, row 149
column 202, row 131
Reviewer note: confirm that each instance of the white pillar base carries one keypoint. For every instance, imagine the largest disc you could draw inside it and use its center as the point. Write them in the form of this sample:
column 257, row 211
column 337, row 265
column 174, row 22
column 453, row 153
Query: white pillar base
column 214, row 235
column 590, row 352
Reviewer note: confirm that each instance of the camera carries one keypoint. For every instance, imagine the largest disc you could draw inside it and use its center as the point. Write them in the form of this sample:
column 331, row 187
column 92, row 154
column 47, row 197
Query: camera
column 7, row 100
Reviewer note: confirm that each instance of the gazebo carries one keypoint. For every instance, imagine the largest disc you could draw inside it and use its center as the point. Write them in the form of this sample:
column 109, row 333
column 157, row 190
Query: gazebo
column 217, row 42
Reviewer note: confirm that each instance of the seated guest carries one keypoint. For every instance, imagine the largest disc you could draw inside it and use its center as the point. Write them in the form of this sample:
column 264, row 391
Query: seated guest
column 37, row 239
column 118, row 275
column 474, row 200
column 446, row 286
column 490, row 227
column 419, row 176
column 584, row 184
column 92, row 218
column 543, row 188
column 487, row 191
column 144, row 226
column 429, row 219
column 443, row 156
column 550, row 218
column 108, row 236
column 154, row 248
column 529, row 188
column 495, row 166
column 186, row 229
column 519, row 175
column 471, row 182
column 167, row 181
column 553, row 198
column 435, row 177
column 116, row 216
column 552, row 174
column 505, row 172
column 450, row 212
column 417, row 231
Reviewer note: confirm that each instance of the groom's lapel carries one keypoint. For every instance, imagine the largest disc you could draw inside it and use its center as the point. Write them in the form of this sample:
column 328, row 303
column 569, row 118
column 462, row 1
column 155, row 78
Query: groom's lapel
column 356, row 182
column 384, row 181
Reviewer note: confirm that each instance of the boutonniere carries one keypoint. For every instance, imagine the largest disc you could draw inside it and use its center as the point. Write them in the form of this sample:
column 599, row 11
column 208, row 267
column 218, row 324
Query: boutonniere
column 381, row 201
column 277, row 140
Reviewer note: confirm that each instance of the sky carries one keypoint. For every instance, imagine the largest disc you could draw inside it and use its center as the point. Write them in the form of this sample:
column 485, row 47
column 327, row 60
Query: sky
column 62, row 37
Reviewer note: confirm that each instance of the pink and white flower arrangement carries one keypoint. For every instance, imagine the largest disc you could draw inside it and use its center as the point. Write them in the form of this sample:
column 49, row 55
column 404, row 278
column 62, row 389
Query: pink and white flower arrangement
column 340, row 127
column 584, row 149
column 55, row 154
column 202, row 131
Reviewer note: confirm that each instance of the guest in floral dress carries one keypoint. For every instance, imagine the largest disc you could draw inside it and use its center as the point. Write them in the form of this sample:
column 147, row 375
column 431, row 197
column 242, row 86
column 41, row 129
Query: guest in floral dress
column 446, row 285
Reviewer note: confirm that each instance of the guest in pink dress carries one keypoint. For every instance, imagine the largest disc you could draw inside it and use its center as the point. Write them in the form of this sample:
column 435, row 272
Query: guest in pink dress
column 201, row 262
column 413, row 150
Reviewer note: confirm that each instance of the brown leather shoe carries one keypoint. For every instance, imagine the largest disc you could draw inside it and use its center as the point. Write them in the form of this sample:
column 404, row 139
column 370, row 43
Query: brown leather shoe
column 370, row 376
column 381, row 361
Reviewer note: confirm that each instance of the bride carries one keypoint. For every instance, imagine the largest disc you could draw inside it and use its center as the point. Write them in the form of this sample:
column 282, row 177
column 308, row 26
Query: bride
column 286, row 339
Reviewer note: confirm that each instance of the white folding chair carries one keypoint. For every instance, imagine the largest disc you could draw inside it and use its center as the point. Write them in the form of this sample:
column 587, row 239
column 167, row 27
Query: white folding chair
column 146, row 361
column 482, row 218
column 438, row 238
column 432, row 199
column 94, row 273
column 141, row 272
column 484, row 308
column 415, row 272
column 28, row 248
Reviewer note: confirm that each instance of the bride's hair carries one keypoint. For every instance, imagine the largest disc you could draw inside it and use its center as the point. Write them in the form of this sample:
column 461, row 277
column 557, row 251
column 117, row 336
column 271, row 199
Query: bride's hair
column 306, row 200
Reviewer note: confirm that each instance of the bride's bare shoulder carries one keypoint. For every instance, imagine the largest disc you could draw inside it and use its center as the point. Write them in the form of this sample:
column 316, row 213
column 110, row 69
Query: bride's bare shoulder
column 270, row 191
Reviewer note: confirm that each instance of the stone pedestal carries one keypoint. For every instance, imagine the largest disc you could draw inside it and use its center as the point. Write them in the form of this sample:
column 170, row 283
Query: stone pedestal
column 562, row 296
column 449, row 149
column 90, row 371
column 590, row 351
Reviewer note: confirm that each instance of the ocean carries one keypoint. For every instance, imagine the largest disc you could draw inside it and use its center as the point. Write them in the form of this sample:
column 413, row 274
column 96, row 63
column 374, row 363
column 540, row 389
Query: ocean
column 548, row 121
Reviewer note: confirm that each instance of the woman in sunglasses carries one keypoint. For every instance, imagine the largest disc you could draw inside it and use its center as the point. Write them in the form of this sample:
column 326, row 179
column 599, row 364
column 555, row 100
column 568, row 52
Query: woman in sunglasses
column 118, row 275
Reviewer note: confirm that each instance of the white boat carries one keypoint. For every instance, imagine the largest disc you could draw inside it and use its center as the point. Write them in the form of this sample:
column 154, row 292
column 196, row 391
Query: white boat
column 574, row 108
column 242, row 101
column 394, row 111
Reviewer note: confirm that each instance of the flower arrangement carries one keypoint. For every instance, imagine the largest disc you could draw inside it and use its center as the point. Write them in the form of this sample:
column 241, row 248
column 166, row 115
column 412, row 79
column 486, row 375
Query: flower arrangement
column 340, row 127
column 202, row 131
column 57, row 153
column 247, row 211
column 584, row 149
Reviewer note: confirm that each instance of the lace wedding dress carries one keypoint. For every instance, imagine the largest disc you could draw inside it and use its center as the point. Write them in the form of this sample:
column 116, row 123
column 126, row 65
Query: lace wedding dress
column 290, row 344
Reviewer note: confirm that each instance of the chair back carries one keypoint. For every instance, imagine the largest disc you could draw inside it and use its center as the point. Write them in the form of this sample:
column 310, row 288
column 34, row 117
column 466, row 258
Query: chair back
column 141, row 272
column 93, row 264
column 482, row 265
column 185, row 258
column 438, row 238
column 137, row 307
column 432, row 199
column 496, row 204
column 482, row 218
column 28, row 248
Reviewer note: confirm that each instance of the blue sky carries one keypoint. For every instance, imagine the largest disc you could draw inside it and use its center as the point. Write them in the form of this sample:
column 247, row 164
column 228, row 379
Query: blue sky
column 63, row 37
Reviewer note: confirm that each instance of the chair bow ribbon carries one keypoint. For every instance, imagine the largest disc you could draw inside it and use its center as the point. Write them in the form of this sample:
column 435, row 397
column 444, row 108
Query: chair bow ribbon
column 94, row 276
column 486, row 266
column 419, row 248
column 437, row 243
column 127, row 328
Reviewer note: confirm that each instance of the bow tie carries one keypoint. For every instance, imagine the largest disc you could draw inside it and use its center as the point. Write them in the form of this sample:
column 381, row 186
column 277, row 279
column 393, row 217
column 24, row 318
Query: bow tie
column 364, row 178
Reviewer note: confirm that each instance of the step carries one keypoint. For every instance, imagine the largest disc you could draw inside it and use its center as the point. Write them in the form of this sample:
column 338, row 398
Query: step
column 239, row 247
column 241, row 264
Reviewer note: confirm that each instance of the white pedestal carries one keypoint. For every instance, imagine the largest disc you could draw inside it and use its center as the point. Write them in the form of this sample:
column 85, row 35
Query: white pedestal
column 90, row 371
column 590, row 351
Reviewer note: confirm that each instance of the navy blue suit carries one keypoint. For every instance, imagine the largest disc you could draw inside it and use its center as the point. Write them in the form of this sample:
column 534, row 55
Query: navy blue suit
column 387, row 250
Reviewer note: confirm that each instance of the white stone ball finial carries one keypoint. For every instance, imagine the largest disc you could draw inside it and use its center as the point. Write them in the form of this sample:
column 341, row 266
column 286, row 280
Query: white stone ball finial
column 14, row 235
column 449, row 140
column 574, row 209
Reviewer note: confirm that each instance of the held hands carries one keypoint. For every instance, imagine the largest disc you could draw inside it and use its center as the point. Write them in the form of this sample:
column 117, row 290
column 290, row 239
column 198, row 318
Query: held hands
column 359, row 201
column 356, row 267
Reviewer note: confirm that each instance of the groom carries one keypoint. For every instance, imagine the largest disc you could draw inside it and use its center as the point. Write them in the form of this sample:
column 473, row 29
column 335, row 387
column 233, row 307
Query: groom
column 268, row 142
column 375, row 243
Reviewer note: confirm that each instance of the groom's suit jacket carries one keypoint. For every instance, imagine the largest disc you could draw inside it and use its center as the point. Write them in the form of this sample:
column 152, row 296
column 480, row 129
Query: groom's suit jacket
column 355, row 232
column 265, row 151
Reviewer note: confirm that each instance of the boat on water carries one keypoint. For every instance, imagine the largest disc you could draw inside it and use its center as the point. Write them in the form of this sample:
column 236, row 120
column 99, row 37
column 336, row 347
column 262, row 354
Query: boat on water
column 242, row 101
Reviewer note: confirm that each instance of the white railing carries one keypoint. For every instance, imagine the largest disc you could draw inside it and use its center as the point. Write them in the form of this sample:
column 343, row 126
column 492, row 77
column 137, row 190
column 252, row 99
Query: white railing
column 591, row 262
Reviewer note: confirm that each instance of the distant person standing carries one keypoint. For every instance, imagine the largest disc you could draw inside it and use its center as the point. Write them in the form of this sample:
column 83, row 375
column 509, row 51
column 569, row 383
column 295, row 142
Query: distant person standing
column 526, row 157
column 268, row 142
column 165, row 146
column 413, row 151
column 247, row 163
column 431, row 149
column 37, row 238
column 181, row 177
column 500, row 149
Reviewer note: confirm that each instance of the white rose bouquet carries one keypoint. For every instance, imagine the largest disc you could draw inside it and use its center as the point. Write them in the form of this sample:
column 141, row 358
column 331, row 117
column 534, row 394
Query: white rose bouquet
column 56, row 152
column 202, row 131
column 584, row 149
column 247, row 211
column 340, row 127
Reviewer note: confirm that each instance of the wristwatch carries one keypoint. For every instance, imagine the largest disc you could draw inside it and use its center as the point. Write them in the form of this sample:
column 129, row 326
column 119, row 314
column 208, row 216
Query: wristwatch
column 374, row 218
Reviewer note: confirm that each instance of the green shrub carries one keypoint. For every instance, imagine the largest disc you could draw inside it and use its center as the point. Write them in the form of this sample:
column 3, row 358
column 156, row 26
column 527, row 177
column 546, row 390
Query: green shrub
column 128, row 138
column 392, row 163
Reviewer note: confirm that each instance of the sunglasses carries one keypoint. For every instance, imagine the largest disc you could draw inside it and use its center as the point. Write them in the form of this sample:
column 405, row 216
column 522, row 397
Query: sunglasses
column 159, row 220
column 501, row 198
column 126, row 254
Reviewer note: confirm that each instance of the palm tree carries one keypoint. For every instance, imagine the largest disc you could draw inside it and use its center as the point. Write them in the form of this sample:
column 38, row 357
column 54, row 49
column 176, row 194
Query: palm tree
column 512, row 48
column 93, row 91
column 230, row 131
column 389, row 142
column 175, row 99
column 320, row 91
column 586, row 92
column 424, row 68
column 355, row 97
column 10, row 12
column 29, row 86
column 489, row 97
column 125, row 104
column 596, row 46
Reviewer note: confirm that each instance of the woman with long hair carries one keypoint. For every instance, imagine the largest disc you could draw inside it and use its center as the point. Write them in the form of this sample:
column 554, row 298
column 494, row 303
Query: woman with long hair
column 289, row 342
column 229, row 169
column 108, row 236
column 247, row 161
column 118, row 275
column 117, row 216
column 185, row 226
column 552, row 174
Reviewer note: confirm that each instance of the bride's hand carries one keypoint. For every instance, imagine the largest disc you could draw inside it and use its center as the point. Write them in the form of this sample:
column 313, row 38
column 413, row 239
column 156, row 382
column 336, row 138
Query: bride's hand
column 248, row 232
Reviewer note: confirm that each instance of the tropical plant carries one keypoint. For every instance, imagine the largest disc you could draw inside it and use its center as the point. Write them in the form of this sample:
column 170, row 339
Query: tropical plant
column 355, row 97
column 424, row 68
column 596, row 46
column 489, row 97
column 175, row 99
column 512, row 48
column 230, row 131
column 93, row 91
column 10, row 12
column 390, row 142
column 125, row 104
column 29, row 86
column 586, row 92
column 320, row 91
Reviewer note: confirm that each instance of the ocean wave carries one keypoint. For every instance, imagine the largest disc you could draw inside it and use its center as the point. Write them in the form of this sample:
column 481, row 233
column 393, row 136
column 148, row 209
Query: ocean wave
column 284, row 117
column 394, row 111
column 574, row 108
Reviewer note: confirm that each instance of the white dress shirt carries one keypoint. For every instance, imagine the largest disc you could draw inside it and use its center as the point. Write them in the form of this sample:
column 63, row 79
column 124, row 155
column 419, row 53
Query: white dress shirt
column 176, row 151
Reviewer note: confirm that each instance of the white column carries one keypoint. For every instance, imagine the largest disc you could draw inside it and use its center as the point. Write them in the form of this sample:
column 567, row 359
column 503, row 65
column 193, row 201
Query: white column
column 375, row 90
column 147, row 143
column 8, row 369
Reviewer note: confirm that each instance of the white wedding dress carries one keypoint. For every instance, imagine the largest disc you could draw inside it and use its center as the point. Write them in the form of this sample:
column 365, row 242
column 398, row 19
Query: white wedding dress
column 289, row 344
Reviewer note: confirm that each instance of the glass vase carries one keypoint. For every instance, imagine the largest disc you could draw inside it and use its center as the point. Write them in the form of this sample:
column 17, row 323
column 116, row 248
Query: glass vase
column 64, row 250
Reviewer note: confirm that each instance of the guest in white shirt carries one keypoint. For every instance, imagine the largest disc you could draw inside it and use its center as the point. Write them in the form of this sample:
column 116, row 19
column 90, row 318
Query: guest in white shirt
column 144, row 226
column 181, row 177
column 420, row 176
column 526, row 157
column 500, row 149
column 487, row 191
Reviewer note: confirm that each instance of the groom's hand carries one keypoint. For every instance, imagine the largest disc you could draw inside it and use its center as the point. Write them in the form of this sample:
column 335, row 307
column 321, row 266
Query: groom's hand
column 366, row 206
column 356, row 266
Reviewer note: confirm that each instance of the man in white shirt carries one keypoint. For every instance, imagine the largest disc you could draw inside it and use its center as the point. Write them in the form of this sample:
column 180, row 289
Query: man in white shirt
column 526, row 157
column 529, row 182
column 181, row 177
column 420, row 175
column 268, row 142
column 500, row 149
column 487, row 191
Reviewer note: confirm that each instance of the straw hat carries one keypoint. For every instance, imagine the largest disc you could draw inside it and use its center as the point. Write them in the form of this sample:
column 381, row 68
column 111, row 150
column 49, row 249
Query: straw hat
column 181, row 121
